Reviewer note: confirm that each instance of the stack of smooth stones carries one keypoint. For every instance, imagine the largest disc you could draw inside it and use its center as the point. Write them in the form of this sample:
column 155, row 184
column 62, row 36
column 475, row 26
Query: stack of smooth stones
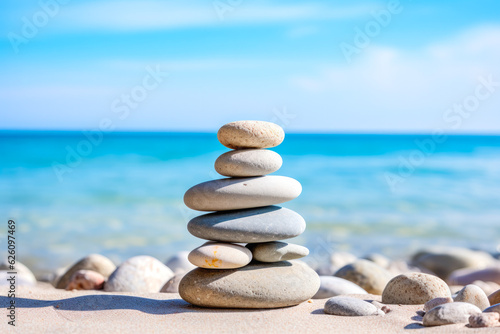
column 264, row 273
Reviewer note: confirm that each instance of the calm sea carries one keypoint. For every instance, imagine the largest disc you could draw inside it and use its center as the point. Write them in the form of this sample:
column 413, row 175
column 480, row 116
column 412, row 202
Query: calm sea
column 121, row 195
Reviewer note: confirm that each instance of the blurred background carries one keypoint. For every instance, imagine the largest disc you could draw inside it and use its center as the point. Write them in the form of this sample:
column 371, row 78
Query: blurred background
column 109, row 113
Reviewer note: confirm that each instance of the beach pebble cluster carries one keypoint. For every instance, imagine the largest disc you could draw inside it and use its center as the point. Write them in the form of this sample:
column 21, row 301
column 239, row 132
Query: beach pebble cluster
column 244, row 264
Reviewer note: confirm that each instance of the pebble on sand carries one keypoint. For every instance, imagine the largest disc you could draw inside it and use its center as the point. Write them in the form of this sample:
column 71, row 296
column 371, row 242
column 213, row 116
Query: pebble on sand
column 435, row 302
column 450, row 313
column 414, row 288
column 250, row 134
column 139, row 274
column 94, row 262
column 366, row 274
column 352, row 307
column 494, row 298
column 332, row 286
column 86, row 280
column 278, row 284
column 474, row 295
column 484, row 320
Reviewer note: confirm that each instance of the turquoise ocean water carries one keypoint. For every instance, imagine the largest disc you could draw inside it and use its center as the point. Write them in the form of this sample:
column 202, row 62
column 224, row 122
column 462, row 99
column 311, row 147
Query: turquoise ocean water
column 121, row 195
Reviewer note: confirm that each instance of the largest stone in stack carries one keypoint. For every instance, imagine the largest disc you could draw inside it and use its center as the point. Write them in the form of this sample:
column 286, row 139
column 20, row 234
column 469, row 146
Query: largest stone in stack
column 263, row 274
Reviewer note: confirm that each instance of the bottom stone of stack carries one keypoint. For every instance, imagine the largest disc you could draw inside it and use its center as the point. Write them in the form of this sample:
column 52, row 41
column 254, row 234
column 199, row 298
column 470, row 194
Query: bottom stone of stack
column 257, row 285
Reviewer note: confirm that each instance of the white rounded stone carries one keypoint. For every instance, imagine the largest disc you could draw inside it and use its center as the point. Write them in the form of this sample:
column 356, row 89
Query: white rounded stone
column 248, row 162
column 275, row 251
column 250, row 134
column 219, row 255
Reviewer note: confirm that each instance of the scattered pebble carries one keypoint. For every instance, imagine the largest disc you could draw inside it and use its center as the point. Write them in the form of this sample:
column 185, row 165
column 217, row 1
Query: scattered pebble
column 444, row 260
column 494, row 298
column 24, row 276
column 484, row 320
column 414, row 288
column 366, row 274
column 435, row 302
column 139, row 274
column 450, row 313
column 172, row 286
column 86, row 280
column 180, row 263
column 467, row 276
column 474, row 295
column 94, row 262
column 352, row 307
column 332, row 286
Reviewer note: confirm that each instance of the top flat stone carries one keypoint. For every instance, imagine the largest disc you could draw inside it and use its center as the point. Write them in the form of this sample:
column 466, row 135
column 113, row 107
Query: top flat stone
column 250, row 134
column 242, row 193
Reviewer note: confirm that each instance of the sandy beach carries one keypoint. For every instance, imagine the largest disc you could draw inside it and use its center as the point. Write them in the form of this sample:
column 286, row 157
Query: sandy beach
column 43, row 309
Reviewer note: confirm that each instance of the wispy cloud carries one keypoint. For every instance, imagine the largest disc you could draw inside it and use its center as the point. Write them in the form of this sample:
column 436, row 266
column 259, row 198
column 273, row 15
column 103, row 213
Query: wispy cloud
column 154, row 15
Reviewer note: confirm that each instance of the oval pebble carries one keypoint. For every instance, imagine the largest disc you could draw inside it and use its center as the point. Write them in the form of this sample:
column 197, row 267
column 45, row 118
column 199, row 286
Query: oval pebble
column 275, row 251
column 414, row 288
column 351, row 307
column 474, row 295
column 484, row 320
column 257, row 285
column 94, row 262
column 250, row 134
column 139, row 274
column 269, row 223
column 494, row 298
column 248, row 162
column 366, row 274
column 435, row 302
column 86, row 280
column 242, row 193
column 218, row 255
column 331, row 286
column 450, row 313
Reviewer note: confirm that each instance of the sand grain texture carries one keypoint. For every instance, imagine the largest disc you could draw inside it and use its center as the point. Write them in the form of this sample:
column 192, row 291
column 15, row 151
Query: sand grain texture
column 41, row 310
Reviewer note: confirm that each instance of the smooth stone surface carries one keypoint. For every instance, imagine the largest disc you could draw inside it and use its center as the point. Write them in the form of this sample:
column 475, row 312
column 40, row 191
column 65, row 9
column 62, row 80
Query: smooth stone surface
column 258, row 285
column 86, row 280
column 468, row 276
column 139, row 274
column 218, row 255
column 242, row 193
column 494, row 298
column 24, row 275
column 94, row 262
column 450, row 313
column 275, row 251
column 250, row 134
column 248, row 162
column 484, row 320
column 172, row 286
column 435, row 302
column 493, row 308
column 179, row 263
column 263, row 224
column 366, row 274
column 331, row 286
column 351, row 307
column 474, row 295
column 444, row 260
column 414, row 288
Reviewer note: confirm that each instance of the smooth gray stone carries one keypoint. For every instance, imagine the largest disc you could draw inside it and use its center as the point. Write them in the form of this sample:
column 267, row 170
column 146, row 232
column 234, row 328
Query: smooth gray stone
column 332, row 286
column 94, row 262
column 257, row 285
column 276, row 251
column 242, row 193
column 248, row 162
column 474, row 295
column 262, row 224
column 450, row 313
column 352, row 307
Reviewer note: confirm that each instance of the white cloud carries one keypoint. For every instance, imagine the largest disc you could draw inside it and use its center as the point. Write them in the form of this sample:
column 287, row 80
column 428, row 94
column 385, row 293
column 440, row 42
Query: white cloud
column 411, row 88
column 151, row 15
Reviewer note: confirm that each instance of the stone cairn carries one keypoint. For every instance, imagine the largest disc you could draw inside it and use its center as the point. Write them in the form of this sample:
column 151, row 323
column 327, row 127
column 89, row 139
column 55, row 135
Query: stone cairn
column 245, row 213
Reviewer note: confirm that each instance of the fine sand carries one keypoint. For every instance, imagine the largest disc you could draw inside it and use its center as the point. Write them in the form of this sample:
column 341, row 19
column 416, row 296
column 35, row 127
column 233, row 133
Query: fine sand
column 46, row 310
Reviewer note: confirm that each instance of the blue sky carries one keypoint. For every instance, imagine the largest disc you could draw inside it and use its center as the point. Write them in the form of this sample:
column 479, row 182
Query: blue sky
column 282, row 61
